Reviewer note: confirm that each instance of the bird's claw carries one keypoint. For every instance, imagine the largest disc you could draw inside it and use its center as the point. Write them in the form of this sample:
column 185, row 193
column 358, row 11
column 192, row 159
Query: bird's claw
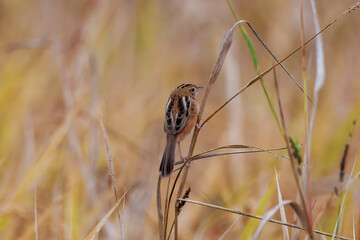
column 185, row 160
column 199, row 125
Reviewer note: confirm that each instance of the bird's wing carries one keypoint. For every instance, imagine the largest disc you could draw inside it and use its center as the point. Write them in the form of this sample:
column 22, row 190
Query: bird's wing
column 177, row 114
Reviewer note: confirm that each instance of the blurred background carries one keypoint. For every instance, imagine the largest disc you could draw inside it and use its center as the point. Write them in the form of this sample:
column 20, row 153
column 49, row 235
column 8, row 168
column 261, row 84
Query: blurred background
column 63, row 63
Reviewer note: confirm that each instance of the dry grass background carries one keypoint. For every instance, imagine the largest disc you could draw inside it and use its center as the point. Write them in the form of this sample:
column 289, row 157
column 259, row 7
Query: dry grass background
column 64, row 62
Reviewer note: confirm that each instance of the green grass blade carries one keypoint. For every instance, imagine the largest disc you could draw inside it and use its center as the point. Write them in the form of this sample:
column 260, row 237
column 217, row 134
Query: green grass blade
column 256, row 65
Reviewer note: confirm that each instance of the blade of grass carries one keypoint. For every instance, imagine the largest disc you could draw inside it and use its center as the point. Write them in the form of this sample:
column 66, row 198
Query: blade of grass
column 282, row 210
column 247, row 39
column 319, row 82
column 320, row 72
column 227, row 230
column 256, row 65
column 94, row 232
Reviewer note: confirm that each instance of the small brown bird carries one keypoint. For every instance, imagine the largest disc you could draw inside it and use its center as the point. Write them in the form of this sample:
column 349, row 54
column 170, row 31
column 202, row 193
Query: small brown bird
column 180, row 117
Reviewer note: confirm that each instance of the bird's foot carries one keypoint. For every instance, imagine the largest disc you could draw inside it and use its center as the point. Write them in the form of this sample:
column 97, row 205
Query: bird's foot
column 185, row 160
column 199, row 125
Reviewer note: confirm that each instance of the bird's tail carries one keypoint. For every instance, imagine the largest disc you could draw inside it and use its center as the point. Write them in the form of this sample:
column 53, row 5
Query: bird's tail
column 168, row 159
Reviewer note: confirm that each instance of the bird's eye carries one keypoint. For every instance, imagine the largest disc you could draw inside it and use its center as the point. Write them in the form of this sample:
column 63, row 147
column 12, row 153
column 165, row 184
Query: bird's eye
column 193, row 90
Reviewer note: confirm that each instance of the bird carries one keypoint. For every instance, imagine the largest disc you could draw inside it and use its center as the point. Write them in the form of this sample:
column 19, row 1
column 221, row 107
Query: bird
column 181, row 114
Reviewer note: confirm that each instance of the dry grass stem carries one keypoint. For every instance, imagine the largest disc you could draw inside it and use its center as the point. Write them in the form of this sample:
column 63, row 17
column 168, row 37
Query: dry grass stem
column 258, row 150
column 167, row 206
column 95, row 231
column 228, row 229
column 354, row 235
column 41, row 219
column 159, row 209
column 274, row 57
column 109, row 160
column 204, row 156
column 234, row 146
column 258, row 217
column 308, row 222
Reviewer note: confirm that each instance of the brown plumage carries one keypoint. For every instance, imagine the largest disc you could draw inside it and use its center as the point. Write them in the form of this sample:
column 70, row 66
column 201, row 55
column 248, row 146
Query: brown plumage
column 180, row 117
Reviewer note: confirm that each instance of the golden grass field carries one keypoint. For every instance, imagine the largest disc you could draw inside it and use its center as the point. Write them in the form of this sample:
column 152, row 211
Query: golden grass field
column 64, row 63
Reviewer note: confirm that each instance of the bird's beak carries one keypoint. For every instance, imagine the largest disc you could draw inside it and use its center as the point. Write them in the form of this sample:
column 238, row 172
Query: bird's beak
column 199, row 88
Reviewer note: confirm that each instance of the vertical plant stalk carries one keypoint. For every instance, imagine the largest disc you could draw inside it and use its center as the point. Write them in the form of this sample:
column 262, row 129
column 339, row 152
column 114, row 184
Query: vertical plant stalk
column 225, row 46
column 306, row 110
column 171, row 194
column 309, row 226
column 176, row 223
column 109, row 159
column 319, row 82
column 159, row 209
column 167, row 207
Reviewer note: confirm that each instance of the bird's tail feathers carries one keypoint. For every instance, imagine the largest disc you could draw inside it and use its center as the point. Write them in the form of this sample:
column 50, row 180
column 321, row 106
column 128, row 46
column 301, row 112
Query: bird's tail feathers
column 168, row 159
